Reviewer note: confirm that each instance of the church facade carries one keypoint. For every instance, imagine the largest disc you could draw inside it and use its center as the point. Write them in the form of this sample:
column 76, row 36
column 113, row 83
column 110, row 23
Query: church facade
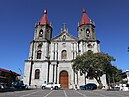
column 50, row 59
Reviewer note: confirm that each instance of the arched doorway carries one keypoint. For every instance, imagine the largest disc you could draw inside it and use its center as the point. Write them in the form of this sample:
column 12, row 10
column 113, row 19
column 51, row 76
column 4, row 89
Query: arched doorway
column 64, row 79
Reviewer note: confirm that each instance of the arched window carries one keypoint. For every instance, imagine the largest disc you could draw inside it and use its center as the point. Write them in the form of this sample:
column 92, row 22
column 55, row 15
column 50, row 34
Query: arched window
column 64, row 38
column 87, row 32
column 39, row 46
column 89, row 51
column 39, row 54
column 37, row 74
column 89, row 46
column 41, row 33
column 64, row 54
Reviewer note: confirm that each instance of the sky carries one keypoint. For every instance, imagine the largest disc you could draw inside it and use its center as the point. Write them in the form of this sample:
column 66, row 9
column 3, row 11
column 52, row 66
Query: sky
column 18, row 18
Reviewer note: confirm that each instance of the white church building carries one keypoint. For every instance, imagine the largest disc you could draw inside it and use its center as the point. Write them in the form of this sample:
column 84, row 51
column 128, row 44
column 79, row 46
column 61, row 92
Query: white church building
column 50, row 59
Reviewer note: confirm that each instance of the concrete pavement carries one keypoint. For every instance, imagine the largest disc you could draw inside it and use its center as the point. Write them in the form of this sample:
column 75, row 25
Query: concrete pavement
column 65, row 93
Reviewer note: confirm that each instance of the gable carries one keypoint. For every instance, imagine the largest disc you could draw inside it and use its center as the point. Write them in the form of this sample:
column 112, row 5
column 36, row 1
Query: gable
column 64, row 37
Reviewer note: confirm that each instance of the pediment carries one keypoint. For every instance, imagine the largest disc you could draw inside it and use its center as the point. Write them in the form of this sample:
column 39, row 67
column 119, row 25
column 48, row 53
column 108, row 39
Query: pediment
column 64, row 37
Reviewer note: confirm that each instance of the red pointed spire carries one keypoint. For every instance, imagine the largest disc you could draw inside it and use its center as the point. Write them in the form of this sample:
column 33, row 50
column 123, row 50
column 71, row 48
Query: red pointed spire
column 85, row 19
column 44, row 19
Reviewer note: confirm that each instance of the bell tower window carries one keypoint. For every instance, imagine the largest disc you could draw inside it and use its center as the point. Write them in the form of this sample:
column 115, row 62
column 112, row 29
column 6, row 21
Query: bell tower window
column 39, row 46
column 87, row 32
column 39, row 54
column 89, row 46
column 41, row 33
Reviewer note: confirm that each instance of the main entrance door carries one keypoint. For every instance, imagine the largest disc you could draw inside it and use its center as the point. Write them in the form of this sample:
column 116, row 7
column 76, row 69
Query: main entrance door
column 64, row 79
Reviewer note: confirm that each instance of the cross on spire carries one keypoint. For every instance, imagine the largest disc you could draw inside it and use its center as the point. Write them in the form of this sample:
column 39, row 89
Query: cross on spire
column 64, row 26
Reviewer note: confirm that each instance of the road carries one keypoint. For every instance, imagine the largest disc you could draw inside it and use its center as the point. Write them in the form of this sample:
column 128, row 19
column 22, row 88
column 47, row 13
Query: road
column 65, row 93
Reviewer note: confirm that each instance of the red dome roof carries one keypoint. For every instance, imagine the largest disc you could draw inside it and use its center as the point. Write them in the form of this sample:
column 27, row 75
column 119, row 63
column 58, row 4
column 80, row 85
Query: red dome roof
column 44, row 19
column 85, row 19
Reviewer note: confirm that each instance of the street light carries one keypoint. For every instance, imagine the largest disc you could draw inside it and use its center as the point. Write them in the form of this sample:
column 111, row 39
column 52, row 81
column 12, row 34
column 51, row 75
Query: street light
column 128, row 49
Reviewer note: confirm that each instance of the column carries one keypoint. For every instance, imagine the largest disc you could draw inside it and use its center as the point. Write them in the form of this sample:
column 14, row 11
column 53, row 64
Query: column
column 31, row 63
column 57, row 62
column 53, row 73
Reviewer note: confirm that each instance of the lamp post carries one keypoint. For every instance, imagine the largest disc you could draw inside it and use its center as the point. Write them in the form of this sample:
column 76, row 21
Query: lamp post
column 128, row 49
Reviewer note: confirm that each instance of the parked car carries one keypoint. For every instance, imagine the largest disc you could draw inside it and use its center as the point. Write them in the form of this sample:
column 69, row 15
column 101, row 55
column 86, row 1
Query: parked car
column 123, row 87
column 89, row 86
column 1, row 85
column 51, row 86
column 19, row 84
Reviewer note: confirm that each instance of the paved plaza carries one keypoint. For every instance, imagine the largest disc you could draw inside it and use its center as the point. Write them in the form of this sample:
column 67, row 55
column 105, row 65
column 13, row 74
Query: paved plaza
column 65, row 93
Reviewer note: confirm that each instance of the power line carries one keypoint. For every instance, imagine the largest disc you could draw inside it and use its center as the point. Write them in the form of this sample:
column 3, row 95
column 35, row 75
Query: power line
column 20, row 71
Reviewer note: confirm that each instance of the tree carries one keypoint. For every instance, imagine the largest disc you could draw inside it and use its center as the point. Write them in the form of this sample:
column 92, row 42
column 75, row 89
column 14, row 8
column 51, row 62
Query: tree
column 94, row 64
column 114, row 75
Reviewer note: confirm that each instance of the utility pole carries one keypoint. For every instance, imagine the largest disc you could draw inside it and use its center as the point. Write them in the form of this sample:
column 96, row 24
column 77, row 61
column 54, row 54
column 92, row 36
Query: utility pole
column 20, row 71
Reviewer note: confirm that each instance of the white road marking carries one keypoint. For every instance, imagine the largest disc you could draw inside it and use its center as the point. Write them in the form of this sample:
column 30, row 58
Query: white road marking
column 65, row 93
column 81, row 94
column 29, row 94
column 13, row 92
column 118, row 94
column 10, row 93
column 98, row 94
column 48, row 94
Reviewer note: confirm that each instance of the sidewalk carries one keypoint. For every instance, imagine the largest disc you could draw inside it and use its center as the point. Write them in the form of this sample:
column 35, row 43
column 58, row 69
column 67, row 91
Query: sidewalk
column 13, row 89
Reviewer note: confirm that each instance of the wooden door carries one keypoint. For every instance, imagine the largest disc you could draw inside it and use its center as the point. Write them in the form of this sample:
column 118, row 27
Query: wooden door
column 64, row 79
